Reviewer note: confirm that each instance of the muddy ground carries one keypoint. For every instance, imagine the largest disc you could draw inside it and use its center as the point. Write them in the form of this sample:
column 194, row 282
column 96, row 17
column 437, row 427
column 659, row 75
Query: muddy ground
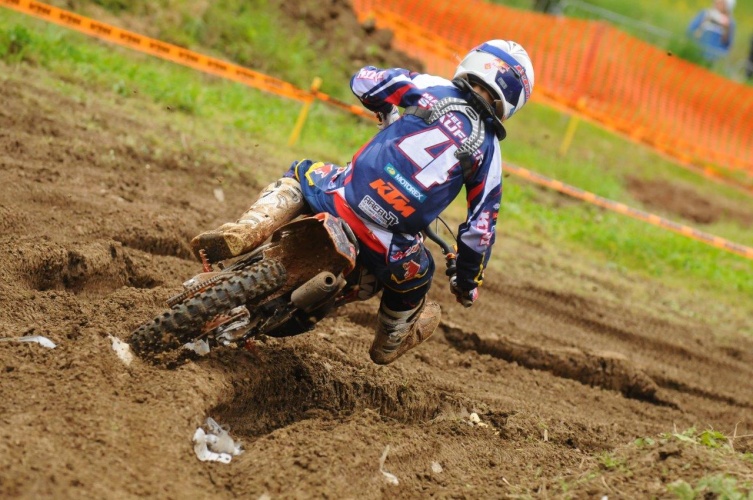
column 564, row 362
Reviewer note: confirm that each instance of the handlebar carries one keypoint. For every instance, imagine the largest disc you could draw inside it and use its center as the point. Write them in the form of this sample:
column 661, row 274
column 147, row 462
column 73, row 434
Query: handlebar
column 449, row 251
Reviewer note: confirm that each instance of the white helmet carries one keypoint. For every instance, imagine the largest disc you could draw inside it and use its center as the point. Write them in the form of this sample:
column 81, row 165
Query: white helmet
column 504, row 69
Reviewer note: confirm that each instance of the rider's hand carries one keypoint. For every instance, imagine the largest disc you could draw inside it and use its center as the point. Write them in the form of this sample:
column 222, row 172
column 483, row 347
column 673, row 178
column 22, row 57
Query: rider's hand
column 465, row 297
column 385, row 120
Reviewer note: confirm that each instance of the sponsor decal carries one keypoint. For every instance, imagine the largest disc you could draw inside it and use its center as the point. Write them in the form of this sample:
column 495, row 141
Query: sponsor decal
column 411, row 270
column 483, row 221
column 401, row 254
column 405, row 183
column 486, row 239
column 427, row 101
column 370, row 74
column 453, row 125
column 524, row 79
column 376, row 213
column 497, row 63
column 392, row 195
column 319, row 170
column 483, row 224
column 333, row 181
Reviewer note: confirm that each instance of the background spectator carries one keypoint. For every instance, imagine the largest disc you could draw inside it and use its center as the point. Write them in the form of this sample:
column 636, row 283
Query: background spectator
column 714, row 29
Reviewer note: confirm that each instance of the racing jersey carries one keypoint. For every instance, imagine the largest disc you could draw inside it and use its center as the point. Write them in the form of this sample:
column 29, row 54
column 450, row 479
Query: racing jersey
column 408, row 173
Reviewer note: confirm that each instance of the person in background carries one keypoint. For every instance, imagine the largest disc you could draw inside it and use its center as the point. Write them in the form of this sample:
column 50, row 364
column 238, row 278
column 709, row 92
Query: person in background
column 447, row 138
column 714, row 29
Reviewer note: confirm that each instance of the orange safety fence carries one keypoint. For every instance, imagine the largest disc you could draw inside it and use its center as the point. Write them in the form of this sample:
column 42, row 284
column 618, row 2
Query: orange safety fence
column 589, row 67
column 279, row 87
column 176, row 54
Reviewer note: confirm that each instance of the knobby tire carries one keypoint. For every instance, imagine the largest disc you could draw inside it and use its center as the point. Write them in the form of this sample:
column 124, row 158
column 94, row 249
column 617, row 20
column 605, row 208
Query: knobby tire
column 184, row 321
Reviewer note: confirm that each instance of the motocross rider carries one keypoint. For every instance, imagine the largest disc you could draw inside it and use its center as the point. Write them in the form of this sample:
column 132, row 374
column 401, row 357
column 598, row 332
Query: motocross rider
column 401, row 180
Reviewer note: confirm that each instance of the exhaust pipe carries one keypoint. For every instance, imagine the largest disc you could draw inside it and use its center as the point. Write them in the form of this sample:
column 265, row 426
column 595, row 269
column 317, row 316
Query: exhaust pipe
column 316, row 290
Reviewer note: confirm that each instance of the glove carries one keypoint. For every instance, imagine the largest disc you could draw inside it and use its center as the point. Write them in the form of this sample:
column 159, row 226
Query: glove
column 385, row 120
column 465, row 297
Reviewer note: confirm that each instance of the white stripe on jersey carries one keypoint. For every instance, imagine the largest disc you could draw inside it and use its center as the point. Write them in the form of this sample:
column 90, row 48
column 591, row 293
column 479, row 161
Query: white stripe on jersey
column 426, row 81
column 387, row 83
column 493, row 177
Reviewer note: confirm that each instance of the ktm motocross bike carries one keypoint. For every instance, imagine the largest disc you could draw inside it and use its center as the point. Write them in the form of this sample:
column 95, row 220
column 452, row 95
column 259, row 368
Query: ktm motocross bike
column 306, row 269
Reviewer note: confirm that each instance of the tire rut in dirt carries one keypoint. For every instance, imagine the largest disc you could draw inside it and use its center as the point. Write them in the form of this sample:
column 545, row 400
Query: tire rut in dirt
column 556, row 319
column 182, row 323
column 98, row 267
column 697, row 366
column 597, row 369
column 156, row 242
column 282, row 384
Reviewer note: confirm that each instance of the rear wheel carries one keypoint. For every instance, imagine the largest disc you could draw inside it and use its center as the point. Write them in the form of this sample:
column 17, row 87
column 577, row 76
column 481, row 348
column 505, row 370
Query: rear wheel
column 184, row 321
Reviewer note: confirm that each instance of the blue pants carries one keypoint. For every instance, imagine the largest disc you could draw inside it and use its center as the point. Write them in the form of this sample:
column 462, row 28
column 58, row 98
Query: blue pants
column 401, row 263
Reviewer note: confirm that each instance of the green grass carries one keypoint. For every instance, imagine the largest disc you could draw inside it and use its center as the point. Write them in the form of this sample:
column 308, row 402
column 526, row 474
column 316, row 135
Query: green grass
column 252, row 33
column 625, row 243
column 598, row 161
column 696, row 465
column 74, row 57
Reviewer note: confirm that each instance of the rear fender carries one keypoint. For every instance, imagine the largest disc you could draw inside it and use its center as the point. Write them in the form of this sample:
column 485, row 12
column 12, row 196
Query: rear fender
column 308, row 246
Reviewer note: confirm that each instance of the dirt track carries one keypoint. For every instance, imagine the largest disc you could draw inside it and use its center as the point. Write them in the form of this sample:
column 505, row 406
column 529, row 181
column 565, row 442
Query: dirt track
column 560, row 362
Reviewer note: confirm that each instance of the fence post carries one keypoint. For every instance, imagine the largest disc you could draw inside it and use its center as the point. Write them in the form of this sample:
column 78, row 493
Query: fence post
column 304, row 112
column 572, row 126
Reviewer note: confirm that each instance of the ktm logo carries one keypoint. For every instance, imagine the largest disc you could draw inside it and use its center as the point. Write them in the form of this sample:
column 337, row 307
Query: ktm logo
column 389, row 193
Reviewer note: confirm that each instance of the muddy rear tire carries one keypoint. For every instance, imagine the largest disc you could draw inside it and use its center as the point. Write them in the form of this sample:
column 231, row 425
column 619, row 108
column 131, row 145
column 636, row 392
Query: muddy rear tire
column 183, row 322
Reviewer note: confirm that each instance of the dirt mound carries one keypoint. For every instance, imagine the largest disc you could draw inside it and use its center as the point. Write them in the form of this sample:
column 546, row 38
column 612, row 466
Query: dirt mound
column 686, row 202
column 94, row 223
column 334, row 27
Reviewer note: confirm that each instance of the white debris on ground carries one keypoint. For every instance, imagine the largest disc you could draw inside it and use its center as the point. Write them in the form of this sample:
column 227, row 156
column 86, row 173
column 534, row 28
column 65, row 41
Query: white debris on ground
column 122, row 350
column 215, row 444
column 38, row 339
column 200, row 347
column 436, row 468
column 391, row 478
column 219, row 194
column 474, row 419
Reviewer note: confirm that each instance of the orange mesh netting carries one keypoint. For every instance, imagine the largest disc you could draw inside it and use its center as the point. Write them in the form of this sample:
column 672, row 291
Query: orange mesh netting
column 592, row 68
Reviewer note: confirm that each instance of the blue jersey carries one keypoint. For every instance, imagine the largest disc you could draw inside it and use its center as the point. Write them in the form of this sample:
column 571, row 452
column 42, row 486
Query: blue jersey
column 408, row 173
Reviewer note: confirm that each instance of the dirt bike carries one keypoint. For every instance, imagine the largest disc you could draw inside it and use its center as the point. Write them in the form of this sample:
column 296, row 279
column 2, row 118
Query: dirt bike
column 306, row 269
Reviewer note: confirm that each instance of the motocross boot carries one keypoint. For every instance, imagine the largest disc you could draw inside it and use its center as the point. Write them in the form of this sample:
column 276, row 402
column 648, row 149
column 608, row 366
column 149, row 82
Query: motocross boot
column 398, row 332
column 279, row 203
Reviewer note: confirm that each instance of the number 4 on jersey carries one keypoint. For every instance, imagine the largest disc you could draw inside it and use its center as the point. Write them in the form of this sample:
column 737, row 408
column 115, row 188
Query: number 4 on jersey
column 434, row 169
